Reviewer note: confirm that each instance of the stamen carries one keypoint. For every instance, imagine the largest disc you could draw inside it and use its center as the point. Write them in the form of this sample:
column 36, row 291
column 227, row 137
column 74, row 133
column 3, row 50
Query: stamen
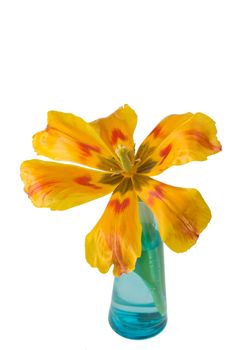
column 117, row 173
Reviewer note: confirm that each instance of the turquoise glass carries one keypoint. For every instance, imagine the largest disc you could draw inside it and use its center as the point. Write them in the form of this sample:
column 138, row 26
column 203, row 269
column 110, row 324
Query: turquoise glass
column 138, row 309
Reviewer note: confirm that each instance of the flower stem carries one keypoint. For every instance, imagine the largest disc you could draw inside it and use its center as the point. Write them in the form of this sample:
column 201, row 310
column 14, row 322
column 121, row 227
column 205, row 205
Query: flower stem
column 150, row 266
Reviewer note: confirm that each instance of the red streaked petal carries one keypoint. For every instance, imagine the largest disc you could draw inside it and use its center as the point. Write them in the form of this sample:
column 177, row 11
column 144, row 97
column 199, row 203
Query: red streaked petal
column 62, row 186
column 116, row 239
column 182, row 213
column 69, row 138
column 118, row 128
column 176, row 140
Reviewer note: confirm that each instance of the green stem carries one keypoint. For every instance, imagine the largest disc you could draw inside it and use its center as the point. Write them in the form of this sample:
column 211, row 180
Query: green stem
column 150, row 266
column 147, row 266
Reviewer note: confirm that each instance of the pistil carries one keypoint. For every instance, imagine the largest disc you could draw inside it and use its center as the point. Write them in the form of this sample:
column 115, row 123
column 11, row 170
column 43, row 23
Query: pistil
column 125, row 156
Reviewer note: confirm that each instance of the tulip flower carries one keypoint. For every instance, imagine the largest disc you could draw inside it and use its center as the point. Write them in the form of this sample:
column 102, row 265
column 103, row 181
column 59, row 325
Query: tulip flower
column 107, row 144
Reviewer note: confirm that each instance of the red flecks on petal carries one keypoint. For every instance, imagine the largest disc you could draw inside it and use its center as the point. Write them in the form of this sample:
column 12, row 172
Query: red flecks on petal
column 117, row 134
column 166, row 150
column 113, row 242
column 118, row 206
column 156, row 193
column 85, row 181
column 156, row 131
column 203, row 140
column 86, row 149
column 189, row 229
column 39, row 187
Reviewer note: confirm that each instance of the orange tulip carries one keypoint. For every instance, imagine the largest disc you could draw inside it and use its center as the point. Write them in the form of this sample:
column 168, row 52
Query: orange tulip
column 107, row 144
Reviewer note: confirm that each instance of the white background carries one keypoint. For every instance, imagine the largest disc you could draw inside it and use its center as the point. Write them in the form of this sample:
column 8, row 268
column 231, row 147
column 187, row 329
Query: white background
column 89, row 58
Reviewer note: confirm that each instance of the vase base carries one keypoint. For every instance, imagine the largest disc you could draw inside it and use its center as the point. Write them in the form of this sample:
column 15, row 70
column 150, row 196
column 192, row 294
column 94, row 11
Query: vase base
column 136, row 325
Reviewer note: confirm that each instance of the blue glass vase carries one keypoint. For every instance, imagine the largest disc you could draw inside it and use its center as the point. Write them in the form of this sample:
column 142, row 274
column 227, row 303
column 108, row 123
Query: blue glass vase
column 138, row 308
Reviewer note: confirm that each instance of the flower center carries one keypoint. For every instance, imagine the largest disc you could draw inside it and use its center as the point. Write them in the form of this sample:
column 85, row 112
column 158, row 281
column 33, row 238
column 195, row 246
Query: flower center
column 126, row 157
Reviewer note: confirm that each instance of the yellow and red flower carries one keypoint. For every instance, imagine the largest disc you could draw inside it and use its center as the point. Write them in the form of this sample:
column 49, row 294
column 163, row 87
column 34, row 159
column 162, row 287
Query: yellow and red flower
column 107, row 144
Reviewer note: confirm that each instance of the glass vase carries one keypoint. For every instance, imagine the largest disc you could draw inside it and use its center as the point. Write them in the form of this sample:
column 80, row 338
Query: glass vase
column 138, row 308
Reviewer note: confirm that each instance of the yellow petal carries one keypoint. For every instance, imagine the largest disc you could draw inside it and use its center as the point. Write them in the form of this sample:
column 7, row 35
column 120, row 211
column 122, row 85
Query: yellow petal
column 176, row 140
column 118, row 128
column 62, row 186
column 182, row 213
column 70, row 138
column 116, row 239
